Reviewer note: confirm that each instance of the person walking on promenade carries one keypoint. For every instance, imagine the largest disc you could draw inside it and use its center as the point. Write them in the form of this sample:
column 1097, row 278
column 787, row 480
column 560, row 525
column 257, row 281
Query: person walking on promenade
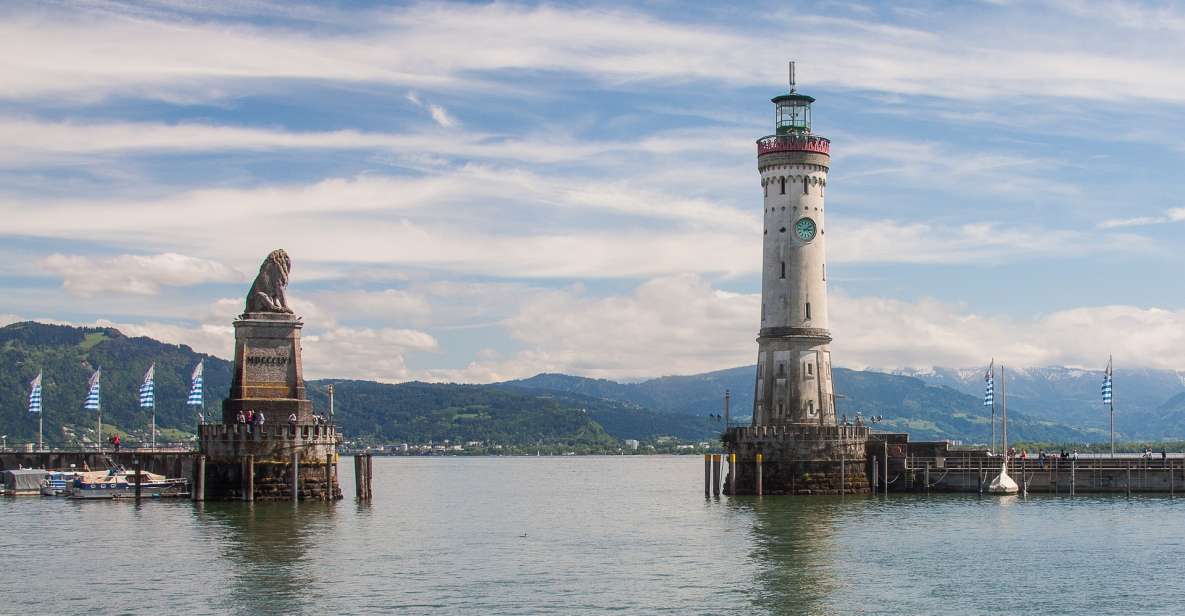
column 292, row 419
column 259, row 418
column 241, row 418
column 115, row 442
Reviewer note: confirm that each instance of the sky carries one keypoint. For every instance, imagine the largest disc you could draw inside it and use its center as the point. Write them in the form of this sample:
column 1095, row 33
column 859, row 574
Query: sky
column 476, row 192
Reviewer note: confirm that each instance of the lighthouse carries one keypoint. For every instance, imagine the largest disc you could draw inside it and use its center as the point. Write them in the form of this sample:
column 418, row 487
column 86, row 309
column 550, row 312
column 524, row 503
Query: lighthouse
column 794, row 445
column 793, row 384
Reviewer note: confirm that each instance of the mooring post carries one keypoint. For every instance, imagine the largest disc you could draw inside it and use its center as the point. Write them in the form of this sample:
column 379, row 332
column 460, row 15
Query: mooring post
column 707, row 474
column 1171, row 494
column 199, row 481
column 876, row 483
column 358, row 478
column 926, row 477
column 369, row 476
column 980, row 474
column 886, row 468
column 249, row 495
column 139, row 470
column 843, row 475
column 1129, row 481
column 295, row 477
column 732, row 474
column 760, row 459
column 716, row 463
column 1073, row 476
column 328, row 477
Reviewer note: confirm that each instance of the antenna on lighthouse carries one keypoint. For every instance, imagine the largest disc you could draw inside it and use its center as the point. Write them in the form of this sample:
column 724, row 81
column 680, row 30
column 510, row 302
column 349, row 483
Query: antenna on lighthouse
column 792, row 77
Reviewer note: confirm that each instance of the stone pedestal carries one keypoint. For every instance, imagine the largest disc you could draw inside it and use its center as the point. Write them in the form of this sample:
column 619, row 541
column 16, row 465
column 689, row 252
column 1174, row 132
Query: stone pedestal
column 799, row 459
column 268, row 373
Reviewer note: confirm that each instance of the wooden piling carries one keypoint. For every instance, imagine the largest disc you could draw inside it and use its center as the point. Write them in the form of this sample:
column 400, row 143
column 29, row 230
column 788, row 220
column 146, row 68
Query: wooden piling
column 926, row 478
column 328, row 493
column 876, row 484
column 843, row 478
column 716, row 474
column 732, row 474
column 980, row 475
column 760, row 459
column 707, row 474
column 1171, row 494
column 359, row 477
column 199, row 478
column 369, row 476
column 1129, row 481
column 886, row 468
column 139, row 471
column 249, row 494
column 295, row 477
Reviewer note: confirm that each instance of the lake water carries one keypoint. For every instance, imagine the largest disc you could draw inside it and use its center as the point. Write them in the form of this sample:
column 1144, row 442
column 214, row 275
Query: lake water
column 591, row 536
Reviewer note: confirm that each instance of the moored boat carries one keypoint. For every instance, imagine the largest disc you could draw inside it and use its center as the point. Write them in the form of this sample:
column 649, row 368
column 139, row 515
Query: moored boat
column 58, row 483
column 119, row 483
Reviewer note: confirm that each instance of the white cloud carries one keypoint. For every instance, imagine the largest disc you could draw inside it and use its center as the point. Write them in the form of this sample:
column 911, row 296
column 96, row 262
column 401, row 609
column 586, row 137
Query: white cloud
column 441, row 116
column 682, row 325
column 135, row 274
column 1173, row 215
column 94, row 51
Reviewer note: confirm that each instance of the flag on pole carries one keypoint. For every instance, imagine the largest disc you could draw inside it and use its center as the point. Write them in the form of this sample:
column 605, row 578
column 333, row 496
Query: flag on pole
column 195, row 388
column 92, row 395
column 989, row 385
column 1107, row 376
column 35, row 395
column 148, row 389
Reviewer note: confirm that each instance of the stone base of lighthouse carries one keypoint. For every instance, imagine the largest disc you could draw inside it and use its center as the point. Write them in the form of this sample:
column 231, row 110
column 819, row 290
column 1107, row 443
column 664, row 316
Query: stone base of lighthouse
column 803, row 460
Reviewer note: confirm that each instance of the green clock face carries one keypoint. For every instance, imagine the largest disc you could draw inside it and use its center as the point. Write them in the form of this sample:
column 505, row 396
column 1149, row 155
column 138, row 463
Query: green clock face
column 805, row 228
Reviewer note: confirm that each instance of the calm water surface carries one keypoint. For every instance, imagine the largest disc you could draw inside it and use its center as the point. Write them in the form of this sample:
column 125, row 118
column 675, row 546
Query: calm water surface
column 592, row 536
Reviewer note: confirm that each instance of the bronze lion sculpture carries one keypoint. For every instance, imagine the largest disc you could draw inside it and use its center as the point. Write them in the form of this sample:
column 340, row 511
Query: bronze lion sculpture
column 267, row 292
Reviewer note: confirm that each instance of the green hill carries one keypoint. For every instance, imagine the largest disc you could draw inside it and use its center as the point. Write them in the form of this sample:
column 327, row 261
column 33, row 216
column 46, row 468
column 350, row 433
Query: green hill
column 375, row 412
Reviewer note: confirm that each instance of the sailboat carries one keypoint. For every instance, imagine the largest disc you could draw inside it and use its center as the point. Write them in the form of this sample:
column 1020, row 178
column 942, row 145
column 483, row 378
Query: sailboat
column 1003, row 484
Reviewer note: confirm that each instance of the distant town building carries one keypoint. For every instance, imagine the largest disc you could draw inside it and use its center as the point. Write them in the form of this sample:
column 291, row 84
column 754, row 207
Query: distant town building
column 631, row 444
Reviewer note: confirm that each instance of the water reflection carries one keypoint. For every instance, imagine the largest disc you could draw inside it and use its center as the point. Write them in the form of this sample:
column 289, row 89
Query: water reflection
column 269, row 547
column 793, row 552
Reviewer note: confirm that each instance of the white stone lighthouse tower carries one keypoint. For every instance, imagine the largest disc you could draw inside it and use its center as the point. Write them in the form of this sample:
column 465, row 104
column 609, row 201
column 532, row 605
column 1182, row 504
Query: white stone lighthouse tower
column 794, row 358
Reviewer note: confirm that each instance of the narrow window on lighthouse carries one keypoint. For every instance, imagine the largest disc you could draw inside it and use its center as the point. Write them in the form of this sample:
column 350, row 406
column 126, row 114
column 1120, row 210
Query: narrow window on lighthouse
column 783, row 270
column 808, row 311
column 804, row 190
column 783, row 181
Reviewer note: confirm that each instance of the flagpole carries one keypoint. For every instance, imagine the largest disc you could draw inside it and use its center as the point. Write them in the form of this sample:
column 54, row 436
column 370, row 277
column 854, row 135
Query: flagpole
column 992, row 367
column 1111, row 381
column 1004, row 413
column 40, row 423
column 99, row 437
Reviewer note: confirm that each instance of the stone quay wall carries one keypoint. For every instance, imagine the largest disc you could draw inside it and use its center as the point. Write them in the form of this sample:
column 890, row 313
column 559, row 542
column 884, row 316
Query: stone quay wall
column 798, row 459
column 172, row 464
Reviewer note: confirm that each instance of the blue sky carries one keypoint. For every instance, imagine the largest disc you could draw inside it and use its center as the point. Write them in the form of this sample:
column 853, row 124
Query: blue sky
column 475, row 192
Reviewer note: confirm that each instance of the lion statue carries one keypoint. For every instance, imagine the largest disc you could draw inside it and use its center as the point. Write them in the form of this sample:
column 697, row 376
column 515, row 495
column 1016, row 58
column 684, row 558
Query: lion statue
column 267, row 292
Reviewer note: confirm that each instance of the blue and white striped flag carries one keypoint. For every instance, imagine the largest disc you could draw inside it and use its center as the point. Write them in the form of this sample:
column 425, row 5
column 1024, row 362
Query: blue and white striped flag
column 1107, row 376
column 195, row 389
column 989, row 385
column 92, row 395
column 148, row 389
column 35, row 395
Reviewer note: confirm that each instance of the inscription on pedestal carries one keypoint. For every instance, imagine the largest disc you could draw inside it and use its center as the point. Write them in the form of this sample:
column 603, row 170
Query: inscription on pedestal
column 268, row 365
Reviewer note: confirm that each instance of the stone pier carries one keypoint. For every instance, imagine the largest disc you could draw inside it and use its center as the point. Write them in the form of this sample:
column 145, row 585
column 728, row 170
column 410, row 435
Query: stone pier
column 227, row 447
column 798, row 459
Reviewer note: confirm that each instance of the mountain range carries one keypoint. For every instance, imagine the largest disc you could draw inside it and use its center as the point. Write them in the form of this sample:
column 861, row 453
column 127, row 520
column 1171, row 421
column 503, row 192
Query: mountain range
column 1046, row 404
